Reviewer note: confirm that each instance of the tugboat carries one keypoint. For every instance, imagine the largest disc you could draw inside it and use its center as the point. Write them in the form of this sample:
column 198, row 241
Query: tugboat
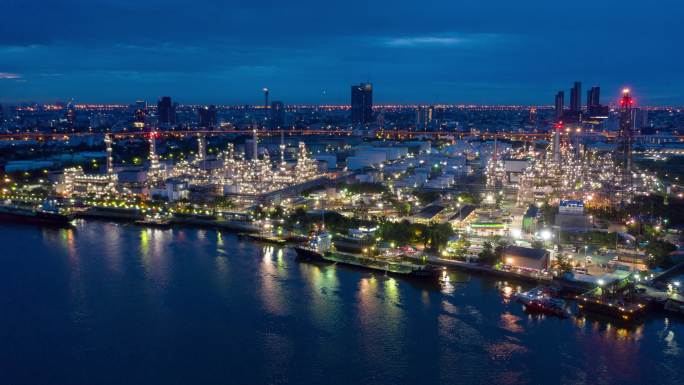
column 46, row 214
column 540, row 300
column 550, row 306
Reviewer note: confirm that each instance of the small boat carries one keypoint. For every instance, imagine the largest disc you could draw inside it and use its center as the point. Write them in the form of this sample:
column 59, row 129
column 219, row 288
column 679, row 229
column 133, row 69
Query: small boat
column 549, row 306
column 539, row 292
column 540, row 300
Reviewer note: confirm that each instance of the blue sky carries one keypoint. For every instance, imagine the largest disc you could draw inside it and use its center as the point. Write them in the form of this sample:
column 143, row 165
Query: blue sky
column 431, row 51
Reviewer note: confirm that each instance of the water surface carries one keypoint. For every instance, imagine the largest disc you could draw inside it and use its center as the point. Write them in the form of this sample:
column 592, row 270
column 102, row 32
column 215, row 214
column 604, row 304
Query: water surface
column 117, row 304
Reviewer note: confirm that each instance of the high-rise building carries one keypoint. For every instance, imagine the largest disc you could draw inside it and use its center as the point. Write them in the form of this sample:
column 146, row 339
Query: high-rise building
column 560, row 104
column 421, row 118
column 71, row 112
column 206, row 116
column 362, row 103
column 640, row 119
column 265, row 97
column 593, row 97
column 576, row 97
column 277, row 115
column 626, row 139
column 140, row 111
column 166, row 111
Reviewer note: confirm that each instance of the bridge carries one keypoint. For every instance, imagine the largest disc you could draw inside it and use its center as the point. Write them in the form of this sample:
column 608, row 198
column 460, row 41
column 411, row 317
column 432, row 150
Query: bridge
column 387, row 134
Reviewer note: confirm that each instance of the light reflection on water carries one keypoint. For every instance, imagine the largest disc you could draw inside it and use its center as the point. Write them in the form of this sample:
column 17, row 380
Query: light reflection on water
column 323, row 286
column 347, row 321
column 271, row 273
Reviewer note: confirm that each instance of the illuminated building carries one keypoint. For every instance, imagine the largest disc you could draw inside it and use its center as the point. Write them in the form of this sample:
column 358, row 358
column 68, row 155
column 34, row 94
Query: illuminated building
column 362, row 104
column 110, row 162
column 77, row 182
column 207, row 117
column 140, row 111
column 154, row 173
column 626, row 138
column 71, row 112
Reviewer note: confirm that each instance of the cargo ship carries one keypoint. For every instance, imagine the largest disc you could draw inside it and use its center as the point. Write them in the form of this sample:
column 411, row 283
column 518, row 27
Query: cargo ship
column 46, row 214
column 396, row 266
column 320, row 247
column 317, row 245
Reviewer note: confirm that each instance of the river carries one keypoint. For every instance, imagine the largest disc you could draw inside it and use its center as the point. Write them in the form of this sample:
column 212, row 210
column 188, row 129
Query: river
column 108, row 303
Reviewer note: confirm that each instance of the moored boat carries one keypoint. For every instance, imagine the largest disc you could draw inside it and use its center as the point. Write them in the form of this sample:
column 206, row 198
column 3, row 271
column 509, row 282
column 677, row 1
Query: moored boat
column 396, row 266
column 157, row 222
column 316, row 247
column 549, row 306
column 46, row 214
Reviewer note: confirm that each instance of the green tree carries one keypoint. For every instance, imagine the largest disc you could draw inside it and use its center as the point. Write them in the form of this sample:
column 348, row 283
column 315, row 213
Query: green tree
column 438, row 235
column 563, row 264
column 487, row 255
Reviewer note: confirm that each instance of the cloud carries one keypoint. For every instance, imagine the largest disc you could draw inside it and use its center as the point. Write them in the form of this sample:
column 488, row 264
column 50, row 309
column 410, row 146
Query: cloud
column 9, row 75
column 421, row 41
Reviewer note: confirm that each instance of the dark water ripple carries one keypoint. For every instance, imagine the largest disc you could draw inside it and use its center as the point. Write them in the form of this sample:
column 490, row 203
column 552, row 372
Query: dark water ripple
column 115, row 304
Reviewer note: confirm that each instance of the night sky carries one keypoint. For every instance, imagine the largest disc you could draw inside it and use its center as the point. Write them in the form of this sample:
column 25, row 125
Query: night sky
column 428, row 51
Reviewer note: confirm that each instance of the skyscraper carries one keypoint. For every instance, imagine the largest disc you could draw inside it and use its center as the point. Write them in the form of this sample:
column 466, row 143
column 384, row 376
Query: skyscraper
column 277, row 115
column 625, row 140
column 71, row 112
column 593, row 96
column 140, row 111
column 560, row 104
column 166, row 111
column 576, row 97
column 362, row 103
column 206, row 116
column 265, row 97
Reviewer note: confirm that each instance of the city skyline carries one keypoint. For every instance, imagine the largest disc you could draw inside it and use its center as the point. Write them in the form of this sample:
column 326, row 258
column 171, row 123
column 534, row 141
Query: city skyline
column 442, row 52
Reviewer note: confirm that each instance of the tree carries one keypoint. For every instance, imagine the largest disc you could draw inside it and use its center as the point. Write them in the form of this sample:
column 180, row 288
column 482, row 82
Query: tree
column 501, row 246
column 438, row 235
column 487, row 255
column 563, row 264
column 224, row 203
column 400, row 233
column 426, row 197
